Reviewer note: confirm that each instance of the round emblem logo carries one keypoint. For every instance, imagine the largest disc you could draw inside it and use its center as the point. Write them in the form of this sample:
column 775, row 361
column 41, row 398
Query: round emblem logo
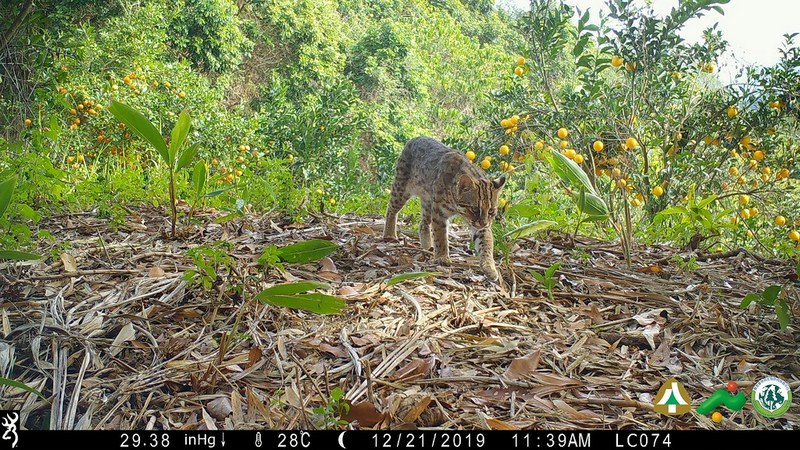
column 771, row 397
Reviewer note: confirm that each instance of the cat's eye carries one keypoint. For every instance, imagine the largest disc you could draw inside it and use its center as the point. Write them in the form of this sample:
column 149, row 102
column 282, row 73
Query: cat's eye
column 492, row 212
column 476, row 211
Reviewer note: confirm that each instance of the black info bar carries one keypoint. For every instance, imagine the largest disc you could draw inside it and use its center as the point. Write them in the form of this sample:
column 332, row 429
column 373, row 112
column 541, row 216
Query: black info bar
column 408, row 439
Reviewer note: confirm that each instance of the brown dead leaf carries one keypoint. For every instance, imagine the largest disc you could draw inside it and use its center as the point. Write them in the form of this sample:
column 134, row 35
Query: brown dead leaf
column 363, row 229
column 555, row 380
column 328, row 270
column 254, row 355
column 496, row 424
column 70, row 264
column 521, row 367
column 219, row 408
column 347, row 291
column 572, row 412
column 326, row 265
column 365, row 414
column 649, row 269
column 360, row 342
column 337, row 351
column 660, row 356
column 156, row 272
column 416, row 369
column 417, row 410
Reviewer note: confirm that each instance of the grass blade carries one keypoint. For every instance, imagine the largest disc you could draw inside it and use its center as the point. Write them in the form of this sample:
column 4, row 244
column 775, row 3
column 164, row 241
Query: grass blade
column 409, row 276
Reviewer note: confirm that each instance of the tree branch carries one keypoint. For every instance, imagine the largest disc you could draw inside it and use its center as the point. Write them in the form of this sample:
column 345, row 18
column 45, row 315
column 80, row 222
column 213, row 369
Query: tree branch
column 26, row 9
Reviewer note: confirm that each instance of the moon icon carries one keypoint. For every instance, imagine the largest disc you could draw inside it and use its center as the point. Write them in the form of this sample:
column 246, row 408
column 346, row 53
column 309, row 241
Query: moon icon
column 341, row 439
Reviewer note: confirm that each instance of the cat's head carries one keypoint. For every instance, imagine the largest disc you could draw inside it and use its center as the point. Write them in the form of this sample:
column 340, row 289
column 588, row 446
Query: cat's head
column 477, row 199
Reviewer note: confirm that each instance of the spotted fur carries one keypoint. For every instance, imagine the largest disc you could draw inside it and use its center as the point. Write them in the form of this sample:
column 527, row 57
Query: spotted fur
column 447, row 184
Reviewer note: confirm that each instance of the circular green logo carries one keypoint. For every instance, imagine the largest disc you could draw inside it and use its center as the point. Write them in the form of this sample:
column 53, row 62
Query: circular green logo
column 771, row 397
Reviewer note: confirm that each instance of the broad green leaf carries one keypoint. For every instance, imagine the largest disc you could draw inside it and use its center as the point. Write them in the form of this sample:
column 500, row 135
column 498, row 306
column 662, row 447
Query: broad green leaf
column 529, row 228
column 316, row 303
column 749, row 298
column 179, row 133
column 307, row 251
column 594, row 207
column 141, row 126
column 54, row 129
column 782, row 310
column 199, row 177
column 409, row 276
column 6, row 190
column 771, row 293
column 187, row 156
column 20, row 385
column 293, row 288
column 569, row 171
column 18, row 256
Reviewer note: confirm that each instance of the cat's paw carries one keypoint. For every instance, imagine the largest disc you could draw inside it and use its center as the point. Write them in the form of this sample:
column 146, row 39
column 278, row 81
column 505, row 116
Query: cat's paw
column 390, row 238
column 443, row 260
column 493, row 275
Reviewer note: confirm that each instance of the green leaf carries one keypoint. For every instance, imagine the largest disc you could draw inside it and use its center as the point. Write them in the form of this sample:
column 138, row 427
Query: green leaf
column 409, row 276
column 217, row 192
column 179, row 133
column 782, row 310
column 18, row 256
column 749, row 298
column 316, row 303
column 539, row 277
column 6, row 190
column 529, row 228
column 307, row 251
column 569, row 171
column 552, row 269
column 199, row 178
column 54, row 129
column 187, row 156
column 141, row 126
column 293, row 288
column 593, row 206
column 771, row 293
column 20, row 385
column 704, row 202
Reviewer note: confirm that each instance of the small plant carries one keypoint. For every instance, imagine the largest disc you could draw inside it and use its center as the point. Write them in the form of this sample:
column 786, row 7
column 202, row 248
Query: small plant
column 6, row 191
column 697, row 213
column 546, row 279
column 686, row 265
column 208, row 261
column 329, row 415
column 172, row 154
column 297, row 295
column 301, row 252
column 770, row 298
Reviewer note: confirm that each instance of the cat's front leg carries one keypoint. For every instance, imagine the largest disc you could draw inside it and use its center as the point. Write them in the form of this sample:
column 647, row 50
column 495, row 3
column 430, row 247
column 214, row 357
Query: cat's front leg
column 484, row 245
column 441, row 250
column 425, row 226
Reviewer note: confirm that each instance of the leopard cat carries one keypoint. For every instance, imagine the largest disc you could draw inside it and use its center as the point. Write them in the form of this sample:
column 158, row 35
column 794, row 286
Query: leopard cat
column 447, row 184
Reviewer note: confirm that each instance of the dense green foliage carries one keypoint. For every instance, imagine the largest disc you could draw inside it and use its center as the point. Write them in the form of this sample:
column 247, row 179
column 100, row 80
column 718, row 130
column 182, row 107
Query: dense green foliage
column 304, row 104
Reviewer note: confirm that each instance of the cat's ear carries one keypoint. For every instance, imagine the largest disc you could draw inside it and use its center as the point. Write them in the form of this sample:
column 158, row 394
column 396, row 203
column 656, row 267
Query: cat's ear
column 466, row 183
column 498, row 183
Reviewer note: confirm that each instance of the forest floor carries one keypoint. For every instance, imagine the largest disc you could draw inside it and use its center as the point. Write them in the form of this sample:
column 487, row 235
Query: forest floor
column 114, row 337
